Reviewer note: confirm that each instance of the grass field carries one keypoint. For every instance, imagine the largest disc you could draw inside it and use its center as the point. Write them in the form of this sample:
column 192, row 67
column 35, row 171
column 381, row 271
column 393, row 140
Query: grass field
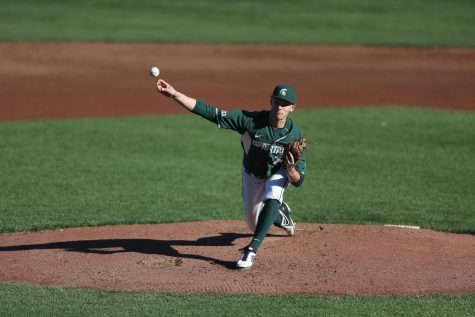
column 26, row 300
column 373, row 22
column 373, row 165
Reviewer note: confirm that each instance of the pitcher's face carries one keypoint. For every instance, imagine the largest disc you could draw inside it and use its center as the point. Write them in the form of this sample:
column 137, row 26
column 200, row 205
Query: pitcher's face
column 281, row 108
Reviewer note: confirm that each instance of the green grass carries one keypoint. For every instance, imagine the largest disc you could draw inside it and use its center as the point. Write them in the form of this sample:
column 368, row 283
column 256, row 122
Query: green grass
column 28, row 300
column 372, row 22
column 417, row 170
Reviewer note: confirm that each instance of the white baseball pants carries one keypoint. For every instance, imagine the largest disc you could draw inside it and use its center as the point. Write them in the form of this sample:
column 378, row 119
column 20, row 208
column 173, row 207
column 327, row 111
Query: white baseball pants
column 256, row 190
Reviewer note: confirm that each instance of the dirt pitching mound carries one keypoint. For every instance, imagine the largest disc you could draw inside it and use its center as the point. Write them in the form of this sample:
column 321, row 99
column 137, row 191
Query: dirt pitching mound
column 199, row 257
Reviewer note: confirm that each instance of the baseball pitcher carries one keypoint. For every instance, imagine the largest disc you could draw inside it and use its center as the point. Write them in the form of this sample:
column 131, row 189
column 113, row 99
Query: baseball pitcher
column 274, row 156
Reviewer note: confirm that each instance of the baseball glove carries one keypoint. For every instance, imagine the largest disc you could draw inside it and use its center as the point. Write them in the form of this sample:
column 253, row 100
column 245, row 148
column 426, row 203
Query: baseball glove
column 296, row 148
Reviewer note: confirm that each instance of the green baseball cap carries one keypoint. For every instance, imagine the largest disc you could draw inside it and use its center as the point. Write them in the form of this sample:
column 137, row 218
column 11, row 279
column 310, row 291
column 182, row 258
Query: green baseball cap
column 285, row 92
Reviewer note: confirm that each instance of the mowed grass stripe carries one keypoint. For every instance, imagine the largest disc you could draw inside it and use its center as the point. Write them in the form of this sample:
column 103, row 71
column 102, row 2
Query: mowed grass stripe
column 29, row 300
column 368, row 166
column 344, row 22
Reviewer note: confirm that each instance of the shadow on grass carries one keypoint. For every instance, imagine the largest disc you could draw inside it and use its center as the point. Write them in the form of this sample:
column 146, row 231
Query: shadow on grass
column 145, row 246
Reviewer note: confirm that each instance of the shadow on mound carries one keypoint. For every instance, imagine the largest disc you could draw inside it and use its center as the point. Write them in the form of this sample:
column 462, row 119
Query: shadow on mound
column 145, row 246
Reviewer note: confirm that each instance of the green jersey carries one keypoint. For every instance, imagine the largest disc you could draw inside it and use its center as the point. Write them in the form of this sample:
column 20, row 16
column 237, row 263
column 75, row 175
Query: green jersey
column 263, row 144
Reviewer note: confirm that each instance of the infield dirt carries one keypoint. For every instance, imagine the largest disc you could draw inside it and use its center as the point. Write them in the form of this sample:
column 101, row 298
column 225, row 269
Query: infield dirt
column 70, row 80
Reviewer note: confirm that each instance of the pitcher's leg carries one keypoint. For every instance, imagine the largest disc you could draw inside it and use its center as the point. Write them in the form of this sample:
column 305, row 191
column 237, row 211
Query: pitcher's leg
column 252, row 191
column 266, row 219
column 273, row 196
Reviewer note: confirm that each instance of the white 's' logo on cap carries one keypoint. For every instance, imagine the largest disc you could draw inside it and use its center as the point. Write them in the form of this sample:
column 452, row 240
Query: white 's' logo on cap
column 283, row 92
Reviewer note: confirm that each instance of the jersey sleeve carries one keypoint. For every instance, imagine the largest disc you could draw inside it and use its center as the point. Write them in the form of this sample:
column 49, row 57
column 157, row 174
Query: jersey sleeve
column 236, row 120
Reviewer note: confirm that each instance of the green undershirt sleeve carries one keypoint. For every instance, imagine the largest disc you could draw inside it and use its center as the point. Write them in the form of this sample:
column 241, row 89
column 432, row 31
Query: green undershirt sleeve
column 297, row 184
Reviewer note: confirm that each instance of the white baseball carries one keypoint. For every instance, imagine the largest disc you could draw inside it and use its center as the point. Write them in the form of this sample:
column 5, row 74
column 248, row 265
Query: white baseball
column 154, row 71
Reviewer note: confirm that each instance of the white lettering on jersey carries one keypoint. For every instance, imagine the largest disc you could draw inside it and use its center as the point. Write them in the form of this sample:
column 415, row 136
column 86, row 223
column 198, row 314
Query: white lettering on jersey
column 273, row 149
column 278, row 150
column 261, row 145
